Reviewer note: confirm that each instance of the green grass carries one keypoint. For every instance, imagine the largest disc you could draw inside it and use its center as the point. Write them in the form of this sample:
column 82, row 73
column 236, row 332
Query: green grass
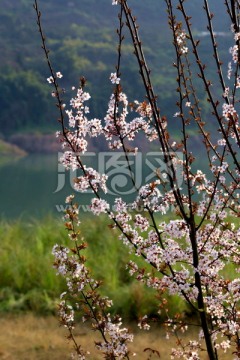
column 29, row 282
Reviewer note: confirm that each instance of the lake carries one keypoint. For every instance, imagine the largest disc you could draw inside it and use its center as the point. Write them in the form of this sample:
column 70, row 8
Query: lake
column 27, row 187
column 35, row 186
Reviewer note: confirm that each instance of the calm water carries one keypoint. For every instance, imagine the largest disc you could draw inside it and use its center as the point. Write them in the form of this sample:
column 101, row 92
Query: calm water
column 36, row 185
column 27, row 187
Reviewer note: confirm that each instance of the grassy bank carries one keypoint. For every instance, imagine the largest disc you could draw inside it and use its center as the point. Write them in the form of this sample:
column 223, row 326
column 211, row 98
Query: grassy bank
column 28, row 280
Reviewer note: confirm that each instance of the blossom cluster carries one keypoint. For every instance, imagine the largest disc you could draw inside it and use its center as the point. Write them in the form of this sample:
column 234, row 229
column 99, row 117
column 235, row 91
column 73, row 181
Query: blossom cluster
column 229, row 112
column 91, row 179
column 117, row 338
column 234, row 52
column 181, row 37
column 118, row 129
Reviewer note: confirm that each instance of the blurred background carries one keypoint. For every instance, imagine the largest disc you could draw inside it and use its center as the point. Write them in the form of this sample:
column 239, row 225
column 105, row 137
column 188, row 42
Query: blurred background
column 82, row 40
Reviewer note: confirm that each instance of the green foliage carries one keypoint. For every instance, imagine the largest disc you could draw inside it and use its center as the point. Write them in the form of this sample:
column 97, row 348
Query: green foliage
column 82, row 42
column 24, row 100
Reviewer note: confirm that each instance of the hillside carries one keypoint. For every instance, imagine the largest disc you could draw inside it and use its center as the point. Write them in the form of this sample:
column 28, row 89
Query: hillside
column 83, row 42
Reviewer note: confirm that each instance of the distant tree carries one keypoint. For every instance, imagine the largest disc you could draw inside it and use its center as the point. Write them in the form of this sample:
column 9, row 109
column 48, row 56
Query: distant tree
column 24, row 101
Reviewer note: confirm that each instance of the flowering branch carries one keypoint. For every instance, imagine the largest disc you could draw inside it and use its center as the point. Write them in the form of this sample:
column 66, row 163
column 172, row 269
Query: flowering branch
column 190, row 254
